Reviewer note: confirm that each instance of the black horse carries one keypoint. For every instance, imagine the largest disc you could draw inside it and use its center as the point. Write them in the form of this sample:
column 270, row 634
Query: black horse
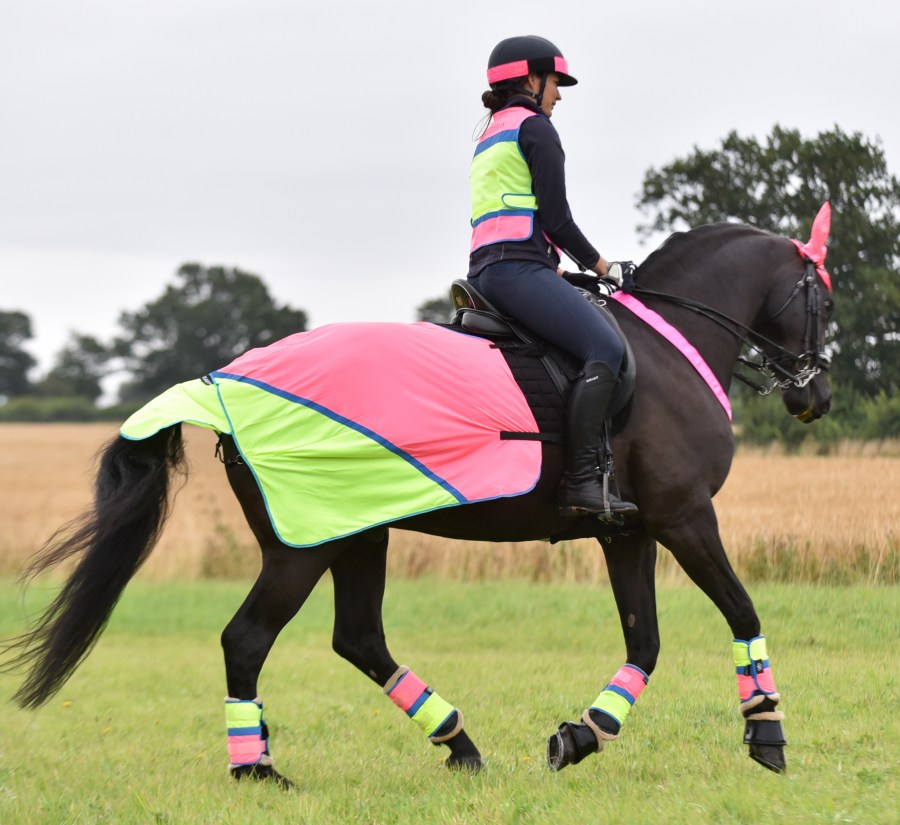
column 721, row 286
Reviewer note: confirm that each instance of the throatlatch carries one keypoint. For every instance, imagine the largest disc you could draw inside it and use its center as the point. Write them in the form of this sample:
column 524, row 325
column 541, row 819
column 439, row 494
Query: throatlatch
column 248, row 736
column 437, row 718
column 758, row 701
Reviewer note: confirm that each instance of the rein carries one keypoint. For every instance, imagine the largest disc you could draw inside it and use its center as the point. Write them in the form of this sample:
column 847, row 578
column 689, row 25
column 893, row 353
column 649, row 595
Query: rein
column 775, row 369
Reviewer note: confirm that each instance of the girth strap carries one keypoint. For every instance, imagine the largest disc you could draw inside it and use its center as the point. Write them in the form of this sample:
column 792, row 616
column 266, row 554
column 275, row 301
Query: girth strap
column 552, row 438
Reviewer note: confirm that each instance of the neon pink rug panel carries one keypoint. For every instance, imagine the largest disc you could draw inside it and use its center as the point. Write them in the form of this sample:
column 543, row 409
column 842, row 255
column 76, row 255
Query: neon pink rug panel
column 439, row 396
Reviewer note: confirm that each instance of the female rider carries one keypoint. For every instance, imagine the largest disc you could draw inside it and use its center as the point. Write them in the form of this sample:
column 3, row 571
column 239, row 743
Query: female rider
column 520, row 223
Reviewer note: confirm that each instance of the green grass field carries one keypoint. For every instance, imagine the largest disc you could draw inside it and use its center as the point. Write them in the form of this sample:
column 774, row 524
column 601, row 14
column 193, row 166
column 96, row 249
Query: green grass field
column 138, row 734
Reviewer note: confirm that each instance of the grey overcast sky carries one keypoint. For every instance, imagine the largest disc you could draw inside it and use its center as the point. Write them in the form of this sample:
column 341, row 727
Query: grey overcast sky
column 325, row 146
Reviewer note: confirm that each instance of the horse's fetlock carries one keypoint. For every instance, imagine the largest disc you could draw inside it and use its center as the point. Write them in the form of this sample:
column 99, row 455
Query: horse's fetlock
column 450, row 727
column 762, row 707
column 604, row 726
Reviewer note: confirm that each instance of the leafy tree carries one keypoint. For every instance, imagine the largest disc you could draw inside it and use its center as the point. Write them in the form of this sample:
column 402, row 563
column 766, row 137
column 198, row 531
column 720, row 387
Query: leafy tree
column 78, row 370
column 436, row 311
column 206, row 319
column 15, row 330
column 779, row 185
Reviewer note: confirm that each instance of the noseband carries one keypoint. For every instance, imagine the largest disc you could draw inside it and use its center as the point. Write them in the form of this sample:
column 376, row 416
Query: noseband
column 784, row 369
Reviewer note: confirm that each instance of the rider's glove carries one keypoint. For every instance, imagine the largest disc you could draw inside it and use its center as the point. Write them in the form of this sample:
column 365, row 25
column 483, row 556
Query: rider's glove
column 586, row 280
column 600, row 287
column 621, row 273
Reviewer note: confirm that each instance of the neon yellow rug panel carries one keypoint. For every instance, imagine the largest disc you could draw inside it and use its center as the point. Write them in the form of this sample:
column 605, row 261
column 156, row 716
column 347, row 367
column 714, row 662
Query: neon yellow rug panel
column 322, row 479
column 191, row 401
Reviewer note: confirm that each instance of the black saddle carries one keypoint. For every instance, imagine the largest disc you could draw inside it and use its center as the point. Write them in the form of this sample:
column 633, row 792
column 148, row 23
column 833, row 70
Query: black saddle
column 476, row 315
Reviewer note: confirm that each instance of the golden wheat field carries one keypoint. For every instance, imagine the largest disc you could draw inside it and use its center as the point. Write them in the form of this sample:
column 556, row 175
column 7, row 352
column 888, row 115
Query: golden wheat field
column 788, row 517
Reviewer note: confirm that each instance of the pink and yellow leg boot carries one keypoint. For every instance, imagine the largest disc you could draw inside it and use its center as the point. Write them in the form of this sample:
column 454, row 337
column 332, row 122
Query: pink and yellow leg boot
column 758, row 702
column 437, row 718
column 608, row 712
column 248, row 736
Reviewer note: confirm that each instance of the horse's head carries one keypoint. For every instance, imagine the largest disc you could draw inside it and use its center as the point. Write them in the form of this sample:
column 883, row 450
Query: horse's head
column 795, row 320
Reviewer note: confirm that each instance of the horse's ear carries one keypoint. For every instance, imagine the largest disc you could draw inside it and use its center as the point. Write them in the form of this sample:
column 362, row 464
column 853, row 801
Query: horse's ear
column 818, row 237
column 816, row 248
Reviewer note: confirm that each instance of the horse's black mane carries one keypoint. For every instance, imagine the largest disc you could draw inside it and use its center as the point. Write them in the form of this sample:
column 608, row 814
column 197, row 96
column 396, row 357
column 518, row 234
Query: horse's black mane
column 679, row 246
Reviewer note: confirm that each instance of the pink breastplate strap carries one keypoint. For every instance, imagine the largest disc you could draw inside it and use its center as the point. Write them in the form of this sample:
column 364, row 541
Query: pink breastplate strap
column 677, row 340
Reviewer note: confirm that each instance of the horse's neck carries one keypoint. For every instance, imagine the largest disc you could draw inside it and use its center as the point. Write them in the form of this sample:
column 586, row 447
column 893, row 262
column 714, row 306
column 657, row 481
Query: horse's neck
column 734, row 292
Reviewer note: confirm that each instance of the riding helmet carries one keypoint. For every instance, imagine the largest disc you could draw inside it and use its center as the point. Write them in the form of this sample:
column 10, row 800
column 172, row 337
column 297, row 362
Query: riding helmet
column 520, row 56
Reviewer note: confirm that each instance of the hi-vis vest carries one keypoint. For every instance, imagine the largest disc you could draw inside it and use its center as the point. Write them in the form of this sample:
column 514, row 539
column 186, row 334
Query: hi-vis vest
column 503, row 203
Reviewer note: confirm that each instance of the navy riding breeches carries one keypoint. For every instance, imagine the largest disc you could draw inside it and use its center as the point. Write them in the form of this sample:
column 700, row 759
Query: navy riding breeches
column 535, row 296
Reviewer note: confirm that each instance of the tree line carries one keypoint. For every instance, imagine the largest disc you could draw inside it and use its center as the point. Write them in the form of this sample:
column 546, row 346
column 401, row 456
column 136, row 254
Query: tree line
column 209, row 315
column 202, row 321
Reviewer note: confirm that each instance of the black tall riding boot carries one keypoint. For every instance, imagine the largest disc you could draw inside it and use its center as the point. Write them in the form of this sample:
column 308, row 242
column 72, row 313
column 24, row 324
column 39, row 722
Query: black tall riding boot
column 581, row 491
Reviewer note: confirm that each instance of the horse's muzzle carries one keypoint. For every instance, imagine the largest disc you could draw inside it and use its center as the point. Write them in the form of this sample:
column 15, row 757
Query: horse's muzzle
column 809, row 403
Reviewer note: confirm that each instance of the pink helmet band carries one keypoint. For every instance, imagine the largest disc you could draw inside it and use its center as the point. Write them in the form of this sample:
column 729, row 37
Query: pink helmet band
column 507, row 71
column 519, row 68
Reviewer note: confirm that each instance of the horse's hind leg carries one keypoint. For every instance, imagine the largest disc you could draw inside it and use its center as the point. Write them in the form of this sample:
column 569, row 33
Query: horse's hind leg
column 631, row 561
column 359, row 579
column 287, row 577
column 696, row 545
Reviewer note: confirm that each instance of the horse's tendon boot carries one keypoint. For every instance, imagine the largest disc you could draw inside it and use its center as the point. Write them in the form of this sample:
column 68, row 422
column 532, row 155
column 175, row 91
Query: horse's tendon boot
column 570, row 744
column 759, row 701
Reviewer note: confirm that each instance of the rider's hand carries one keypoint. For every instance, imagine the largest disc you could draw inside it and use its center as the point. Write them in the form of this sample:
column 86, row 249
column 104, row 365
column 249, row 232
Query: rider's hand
column 601, row 287
column 585, row 280
column 621, row 273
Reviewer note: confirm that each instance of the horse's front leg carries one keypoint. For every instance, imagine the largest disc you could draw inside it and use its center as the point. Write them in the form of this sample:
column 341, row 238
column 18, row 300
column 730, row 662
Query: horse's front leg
column 359, row 579
column 696, row 545
column 631, row 561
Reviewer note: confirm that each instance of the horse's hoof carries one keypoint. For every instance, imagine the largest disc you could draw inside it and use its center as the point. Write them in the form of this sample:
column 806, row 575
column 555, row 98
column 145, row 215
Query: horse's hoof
column 262, row 773
column 464, row 756
column 557, row 747
column 570, row 744
column 769, row 756
column 473, row 763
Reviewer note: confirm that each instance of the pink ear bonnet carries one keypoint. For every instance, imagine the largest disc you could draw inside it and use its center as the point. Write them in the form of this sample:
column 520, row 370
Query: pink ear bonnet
column 815, row 249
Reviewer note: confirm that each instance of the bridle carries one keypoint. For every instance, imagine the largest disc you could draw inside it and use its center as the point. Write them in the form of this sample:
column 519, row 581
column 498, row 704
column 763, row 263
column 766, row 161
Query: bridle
column 784, row 369
column 812, row 360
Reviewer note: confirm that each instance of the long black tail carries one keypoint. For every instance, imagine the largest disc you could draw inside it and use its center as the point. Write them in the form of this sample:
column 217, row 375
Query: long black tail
column 113, row 538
